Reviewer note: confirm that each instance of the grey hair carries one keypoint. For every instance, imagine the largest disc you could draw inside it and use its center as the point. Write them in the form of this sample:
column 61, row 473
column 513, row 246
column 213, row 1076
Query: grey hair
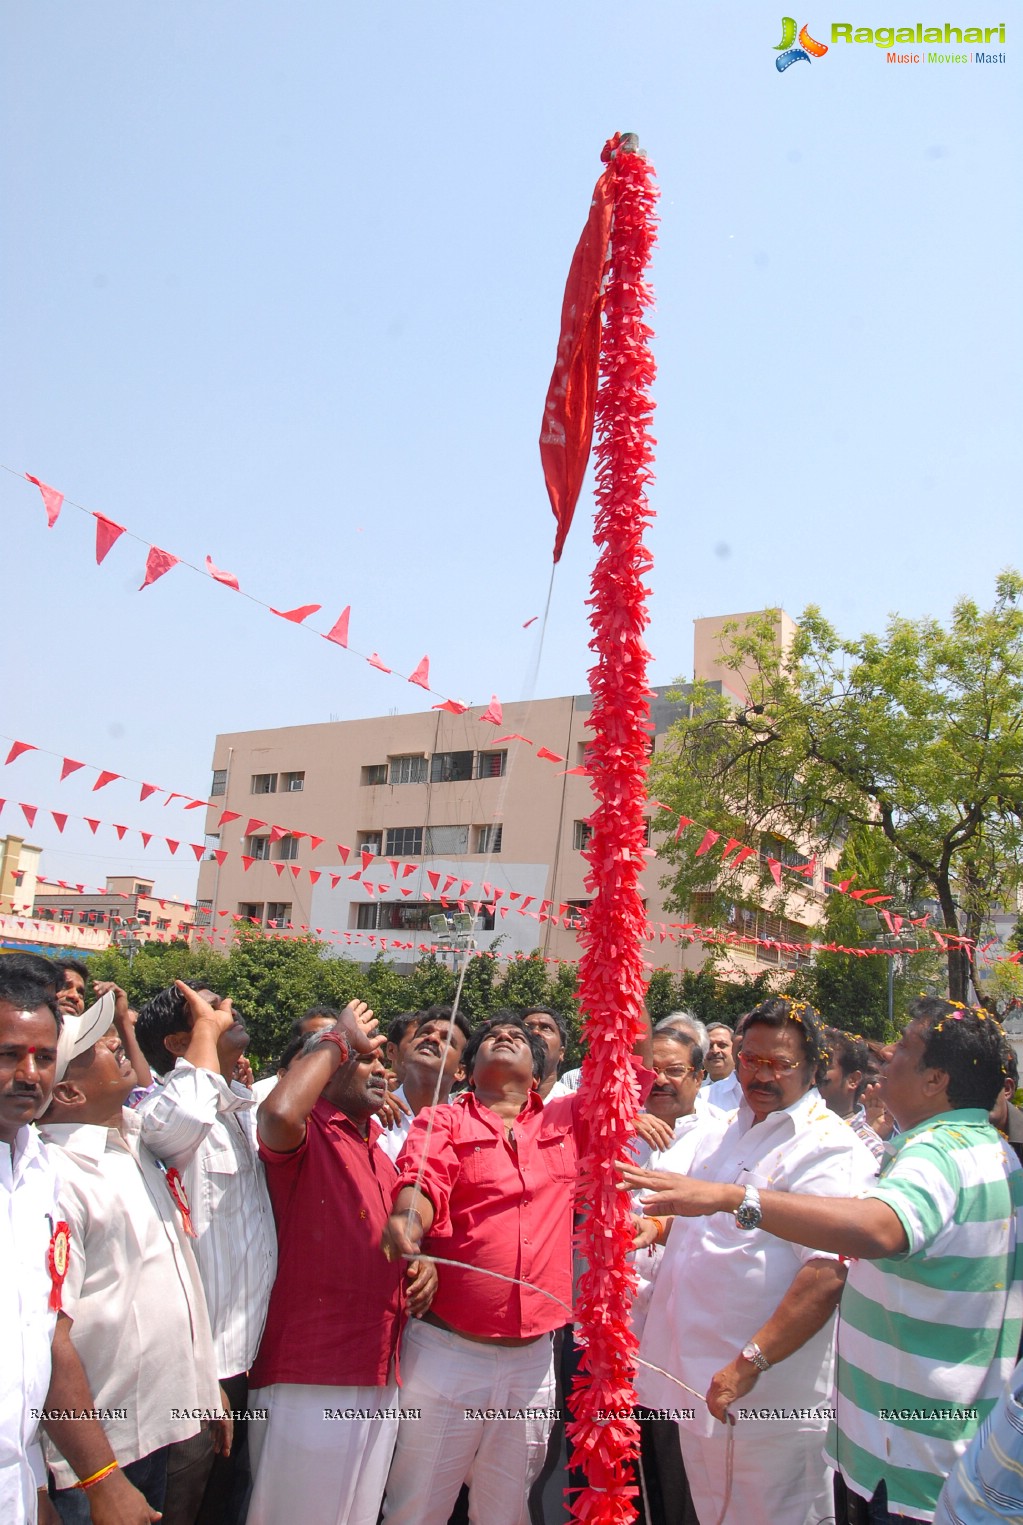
column 684, row 1021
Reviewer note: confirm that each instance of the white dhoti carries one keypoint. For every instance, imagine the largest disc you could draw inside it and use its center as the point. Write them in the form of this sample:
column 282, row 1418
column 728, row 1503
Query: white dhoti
column 485, row 1412
column 778, row 1474
column 317, row 1458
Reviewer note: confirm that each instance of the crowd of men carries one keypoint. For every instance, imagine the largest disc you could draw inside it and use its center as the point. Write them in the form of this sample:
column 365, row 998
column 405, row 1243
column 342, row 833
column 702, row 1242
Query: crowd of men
column 342, row 1295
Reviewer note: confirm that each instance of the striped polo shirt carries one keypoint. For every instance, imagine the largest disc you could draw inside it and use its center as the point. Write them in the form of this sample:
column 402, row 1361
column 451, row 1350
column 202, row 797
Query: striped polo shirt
column 927, row 1339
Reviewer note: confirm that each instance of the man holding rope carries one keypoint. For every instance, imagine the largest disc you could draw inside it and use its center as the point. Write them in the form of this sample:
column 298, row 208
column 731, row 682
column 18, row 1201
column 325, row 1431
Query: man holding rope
column 486, row 1186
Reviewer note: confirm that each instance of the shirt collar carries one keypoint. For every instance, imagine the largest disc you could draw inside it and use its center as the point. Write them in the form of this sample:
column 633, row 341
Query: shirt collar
column 333, row 1117
column 533, row 1104
column 87, row 1140
column 960, row 1117
column 808, row 1107
column 234, row 1097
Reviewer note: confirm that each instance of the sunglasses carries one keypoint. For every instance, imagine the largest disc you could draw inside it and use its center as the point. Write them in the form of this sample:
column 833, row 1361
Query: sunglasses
column 751, row 1063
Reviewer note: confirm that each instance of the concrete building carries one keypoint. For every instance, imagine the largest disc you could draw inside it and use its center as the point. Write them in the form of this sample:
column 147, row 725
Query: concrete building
column 424, row 801
column 127, row 907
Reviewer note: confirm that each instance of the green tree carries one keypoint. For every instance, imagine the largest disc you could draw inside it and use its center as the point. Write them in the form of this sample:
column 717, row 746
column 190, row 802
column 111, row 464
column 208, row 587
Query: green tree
column 914, row 736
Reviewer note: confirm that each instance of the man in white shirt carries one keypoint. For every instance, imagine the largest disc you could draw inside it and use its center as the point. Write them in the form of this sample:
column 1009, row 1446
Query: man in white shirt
column 428, row 1059
column 40, row 1372
column 203, row 1124
column 779, row 1329
column 132, row 1291
column 551, row 1027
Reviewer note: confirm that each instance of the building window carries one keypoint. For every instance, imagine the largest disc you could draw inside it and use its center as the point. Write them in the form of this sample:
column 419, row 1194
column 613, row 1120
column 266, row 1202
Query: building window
column 582, row 831
column 374, row 773
column 219, row 785
column 646, row 833
column 252, row 910
column 278, row 913
column 450, row 767
column 264, row 783
column 163, row 923
column 491, row 764
column 370, row 842
column 488, row 838
column 211, row 844
column 144, row 889
column 258, row 848
column 407, row 770
column 143, row 917
column 366, row 917
column 442, row 841
column 287, row 849
column 777, row 847
column 404, row 841
column 578, row 910
column 67, row 916
column 203, row 912
column 293, row 783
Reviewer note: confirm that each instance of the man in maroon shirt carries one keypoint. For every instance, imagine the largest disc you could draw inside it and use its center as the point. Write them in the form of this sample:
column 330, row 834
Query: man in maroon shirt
column 326, row 1371
column 488, row 1182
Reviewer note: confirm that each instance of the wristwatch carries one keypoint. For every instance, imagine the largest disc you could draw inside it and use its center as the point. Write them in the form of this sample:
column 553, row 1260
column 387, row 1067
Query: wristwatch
column 755, row 1356
column 749, row 1213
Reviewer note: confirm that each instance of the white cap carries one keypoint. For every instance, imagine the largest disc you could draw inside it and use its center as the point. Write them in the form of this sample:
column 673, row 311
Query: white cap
column 78, row 1034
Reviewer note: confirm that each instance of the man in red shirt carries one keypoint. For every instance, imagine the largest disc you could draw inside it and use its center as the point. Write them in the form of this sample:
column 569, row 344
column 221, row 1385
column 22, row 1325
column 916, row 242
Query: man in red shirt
column 326, row 1371
column 488, row 1182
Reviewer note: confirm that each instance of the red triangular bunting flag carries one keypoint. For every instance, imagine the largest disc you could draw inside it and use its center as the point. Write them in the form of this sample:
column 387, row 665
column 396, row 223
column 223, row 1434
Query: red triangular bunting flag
column 246, row 862
column 493, row 714
column 93, row 825
column 314, row 875
column 465, row 887
column 59, row 820
column 220, row 855
column 253, row 825
column 278, row 869
column 104, row 779
column 547, row 756
column 198, row 849
column 406, row 869
column 106, row 534
column 147, row 837
column 404, row 889
column 730, row 846
column 296, row 616
column 157, row 563
column 394, row 867
column 709, row 838
column 172, row 844
column 314, row 841
column 433, row 877
column 52, row 500
column 374, row 661
column 422, row 674
column 448, row 882
column 226, row 816
column 335, row 880
column 68, row 767
column 277, row 832
column 227, row 578
column 775, row 868
column 120, row 832
column 29, row 812
column 683, row 822
column 295, row 870
column 452, row 706
column 16, row 750
column 148, row 789
column 367, row 859
column 338, row 633
column 343, row 852
column 740, row 857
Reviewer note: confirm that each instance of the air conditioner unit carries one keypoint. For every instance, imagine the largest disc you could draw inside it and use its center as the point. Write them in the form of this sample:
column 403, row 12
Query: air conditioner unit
column 373, row 845
column 296, row 785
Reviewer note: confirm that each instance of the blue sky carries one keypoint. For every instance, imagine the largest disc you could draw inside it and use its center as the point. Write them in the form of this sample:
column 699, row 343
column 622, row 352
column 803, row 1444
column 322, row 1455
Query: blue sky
column 281, row 285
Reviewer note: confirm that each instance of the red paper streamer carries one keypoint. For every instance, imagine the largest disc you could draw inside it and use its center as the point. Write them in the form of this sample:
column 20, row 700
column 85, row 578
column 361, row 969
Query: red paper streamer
column 227, row 578
column 611, row 969
column 107, row 532
column 53, row 500
column 157, row 563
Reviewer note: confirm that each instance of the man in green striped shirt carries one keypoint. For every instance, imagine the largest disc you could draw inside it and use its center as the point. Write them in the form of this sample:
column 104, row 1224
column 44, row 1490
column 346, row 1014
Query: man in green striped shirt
column 931, row 1314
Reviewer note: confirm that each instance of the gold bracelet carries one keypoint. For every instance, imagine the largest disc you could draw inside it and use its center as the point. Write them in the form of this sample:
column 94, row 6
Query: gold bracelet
column 97, row 1477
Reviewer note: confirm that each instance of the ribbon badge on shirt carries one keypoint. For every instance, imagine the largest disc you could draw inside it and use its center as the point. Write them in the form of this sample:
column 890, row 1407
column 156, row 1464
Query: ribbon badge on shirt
column 177, row 1191
column 57, row 1262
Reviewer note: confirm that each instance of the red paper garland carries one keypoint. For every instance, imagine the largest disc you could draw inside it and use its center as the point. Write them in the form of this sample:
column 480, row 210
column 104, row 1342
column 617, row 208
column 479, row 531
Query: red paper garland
column 611, row 970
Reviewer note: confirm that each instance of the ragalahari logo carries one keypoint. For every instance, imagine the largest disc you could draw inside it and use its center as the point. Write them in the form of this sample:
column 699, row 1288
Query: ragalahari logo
column 787, row 54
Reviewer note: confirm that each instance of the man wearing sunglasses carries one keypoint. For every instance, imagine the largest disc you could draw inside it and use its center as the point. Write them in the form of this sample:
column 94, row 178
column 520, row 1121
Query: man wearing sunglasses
column 778, row 1298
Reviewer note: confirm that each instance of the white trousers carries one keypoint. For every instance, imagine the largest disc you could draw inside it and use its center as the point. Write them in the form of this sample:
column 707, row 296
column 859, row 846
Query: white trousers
column 454, row 1383
column 316, row 1470
column 779, row 1475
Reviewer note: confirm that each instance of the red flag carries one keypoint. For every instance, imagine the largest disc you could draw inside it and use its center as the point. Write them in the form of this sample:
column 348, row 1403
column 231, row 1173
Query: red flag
column 374, row 661
column 314, row 841
column 228, row 815
column 453, row 706
column 157, row 563
column 29, row 812
column 147, row 837
column 314, row 874
column 775, row 867
column 120, row 832
column 52, row 500
column 147, row 790
column 106, row 533
column 172, row 845
column 253, row 825
column 16, row 750
column 92, row 825
column 338, row 633
column 567, row 427
column 422, row 674
column 198, row 849
column 69, row 766
column 59, row 820
column 683, row 822
column 296, row 616
column 104, row 779
column 227, row 578
column 246, row 863
column 220, row 855
column 493, row 713
column 547, row 756
column 343, row 852
column 709, row 838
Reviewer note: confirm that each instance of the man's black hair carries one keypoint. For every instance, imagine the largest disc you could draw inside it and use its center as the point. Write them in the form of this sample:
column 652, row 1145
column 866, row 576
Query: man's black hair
column 687, row 1041
column 21, row 987
column 32, row 966
column 399, row 1026
column 443, row 1014
column 505, row 1018
column 778, row 1010
column 165, row 1013
column 967, row 1044
column 850, row 1053
column 293, row 1047
column 555, row 1016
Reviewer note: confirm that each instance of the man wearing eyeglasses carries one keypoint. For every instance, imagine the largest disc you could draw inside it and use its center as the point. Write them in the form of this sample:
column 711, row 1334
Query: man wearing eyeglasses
column 733, row 1308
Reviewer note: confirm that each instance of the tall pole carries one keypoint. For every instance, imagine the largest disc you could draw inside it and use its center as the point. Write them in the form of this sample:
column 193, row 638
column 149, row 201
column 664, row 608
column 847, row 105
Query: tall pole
column 612, row 968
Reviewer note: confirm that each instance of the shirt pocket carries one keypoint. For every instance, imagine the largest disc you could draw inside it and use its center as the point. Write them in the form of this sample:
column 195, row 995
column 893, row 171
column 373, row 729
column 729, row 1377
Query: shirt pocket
column 478, row 1160
column 558, row 1156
